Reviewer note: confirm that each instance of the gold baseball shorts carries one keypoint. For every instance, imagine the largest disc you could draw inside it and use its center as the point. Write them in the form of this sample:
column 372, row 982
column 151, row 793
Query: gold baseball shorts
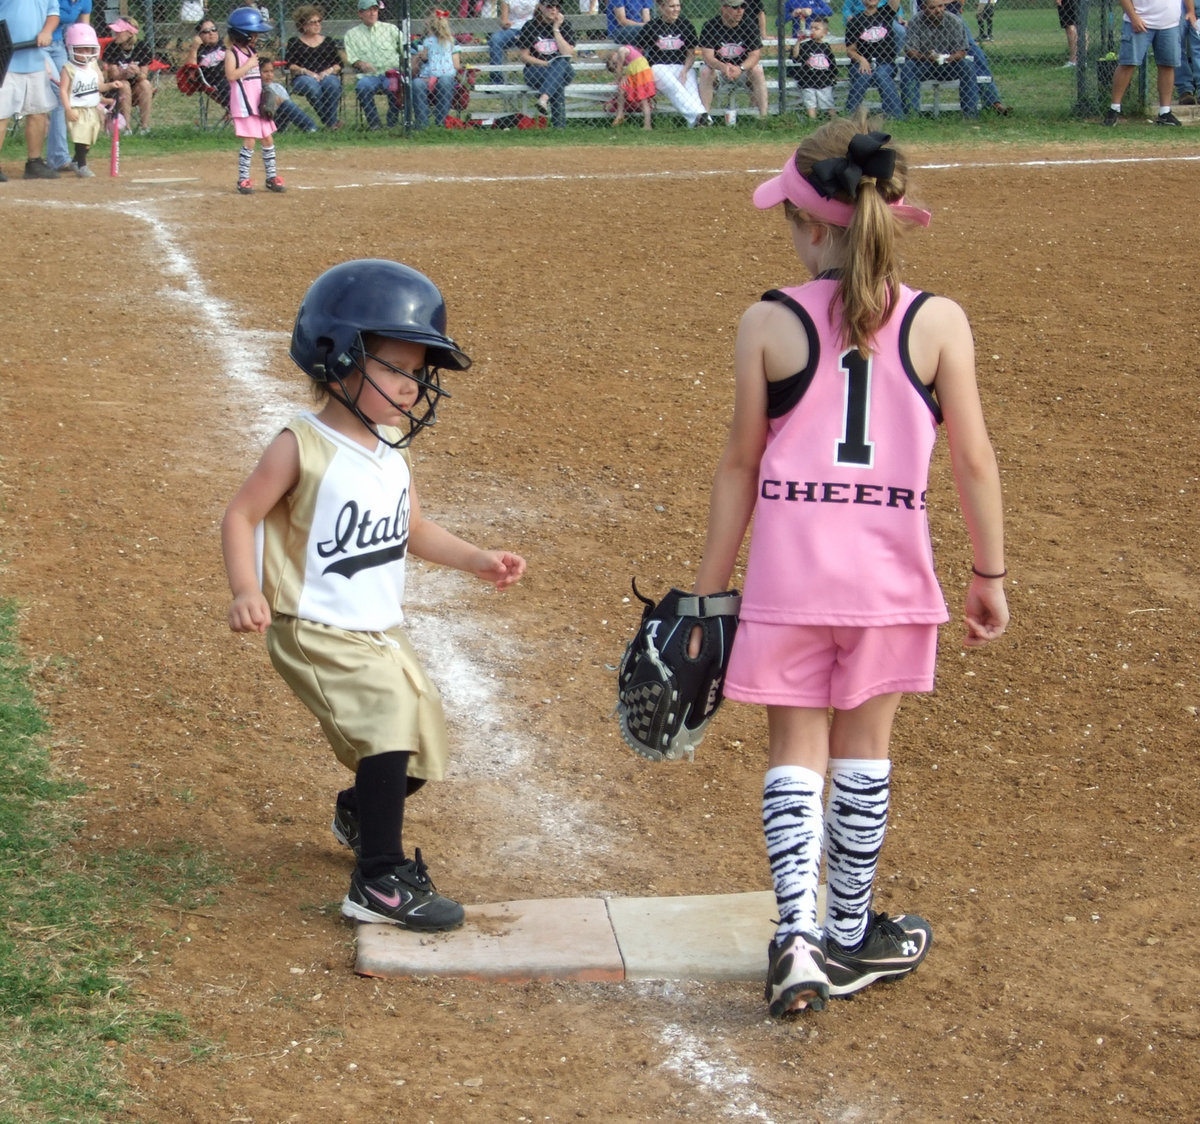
column 367, row 689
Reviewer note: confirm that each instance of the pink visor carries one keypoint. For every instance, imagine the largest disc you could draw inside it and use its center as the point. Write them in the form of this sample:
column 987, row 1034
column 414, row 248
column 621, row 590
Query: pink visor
column 792, row 186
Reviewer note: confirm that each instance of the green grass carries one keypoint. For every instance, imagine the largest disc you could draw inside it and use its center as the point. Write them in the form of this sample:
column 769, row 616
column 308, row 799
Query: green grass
column 72, row 927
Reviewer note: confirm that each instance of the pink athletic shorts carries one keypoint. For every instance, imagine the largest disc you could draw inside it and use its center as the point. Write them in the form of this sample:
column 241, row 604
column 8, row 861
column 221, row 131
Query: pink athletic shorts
column 823, row 666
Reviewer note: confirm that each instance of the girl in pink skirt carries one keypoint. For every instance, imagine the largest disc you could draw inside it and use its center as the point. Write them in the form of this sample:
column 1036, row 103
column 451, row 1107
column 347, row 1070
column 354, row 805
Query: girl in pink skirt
column 245, row 93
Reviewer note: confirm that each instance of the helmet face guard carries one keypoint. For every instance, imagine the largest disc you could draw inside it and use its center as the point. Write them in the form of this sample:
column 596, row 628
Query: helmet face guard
column 427, row 378
column 82, row 44
column 357, row 299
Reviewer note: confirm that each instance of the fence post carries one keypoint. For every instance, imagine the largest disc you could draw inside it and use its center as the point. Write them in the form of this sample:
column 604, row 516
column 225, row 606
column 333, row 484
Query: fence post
column 781, row 53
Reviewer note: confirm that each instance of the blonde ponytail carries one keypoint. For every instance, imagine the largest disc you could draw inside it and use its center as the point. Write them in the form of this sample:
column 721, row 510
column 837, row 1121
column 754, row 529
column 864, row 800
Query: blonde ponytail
column 868, row 249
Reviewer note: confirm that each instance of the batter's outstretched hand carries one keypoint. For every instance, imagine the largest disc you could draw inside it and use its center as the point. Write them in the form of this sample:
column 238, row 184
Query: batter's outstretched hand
column 249, row 613
column 986, row 612
column 499, row 567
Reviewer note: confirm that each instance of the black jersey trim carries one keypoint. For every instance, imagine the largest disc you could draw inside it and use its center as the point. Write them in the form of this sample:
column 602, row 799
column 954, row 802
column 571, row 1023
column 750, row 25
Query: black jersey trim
column 783, row 394
column 926, row 392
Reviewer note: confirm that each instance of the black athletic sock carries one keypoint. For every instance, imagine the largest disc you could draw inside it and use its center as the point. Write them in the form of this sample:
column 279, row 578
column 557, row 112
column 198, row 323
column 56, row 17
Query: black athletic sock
column 81, row 151
column 348, row 798
column 379, row 790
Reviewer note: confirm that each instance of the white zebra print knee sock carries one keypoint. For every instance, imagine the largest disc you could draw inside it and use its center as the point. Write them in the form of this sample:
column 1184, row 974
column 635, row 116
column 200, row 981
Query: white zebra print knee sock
column 792, row 824
column 855, row 822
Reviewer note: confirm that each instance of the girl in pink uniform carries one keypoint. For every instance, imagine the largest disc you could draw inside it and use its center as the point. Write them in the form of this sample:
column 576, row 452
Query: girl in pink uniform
column 245, row 96
column 841, row 384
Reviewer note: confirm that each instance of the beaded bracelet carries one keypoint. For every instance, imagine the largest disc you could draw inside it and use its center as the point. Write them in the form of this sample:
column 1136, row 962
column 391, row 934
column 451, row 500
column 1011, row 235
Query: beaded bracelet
column 992, row 577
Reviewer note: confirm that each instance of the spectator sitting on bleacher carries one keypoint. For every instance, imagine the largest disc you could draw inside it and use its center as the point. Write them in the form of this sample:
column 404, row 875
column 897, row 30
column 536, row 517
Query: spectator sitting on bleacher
column 732, row 51
column 851, row 8
column 126, row 60
column 206, row 52
column 546, row 45
column 814, row 69
column 287, row 112
column 936, row 50
column 514, row 15
column 315, row 65
column 372, row 49
column 802, row 14
column 872, row 46
column 989, row 92
column 438, row 64
column 669, row 43
column 625, row 19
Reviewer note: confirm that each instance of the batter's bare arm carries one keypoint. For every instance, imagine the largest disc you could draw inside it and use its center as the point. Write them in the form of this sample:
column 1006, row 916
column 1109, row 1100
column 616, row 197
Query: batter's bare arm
column 273, row 477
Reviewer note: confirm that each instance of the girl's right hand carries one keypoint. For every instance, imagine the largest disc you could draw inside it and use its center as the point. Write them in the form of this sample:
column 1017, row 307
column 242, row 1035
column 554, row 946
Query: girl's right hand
column 249, row 613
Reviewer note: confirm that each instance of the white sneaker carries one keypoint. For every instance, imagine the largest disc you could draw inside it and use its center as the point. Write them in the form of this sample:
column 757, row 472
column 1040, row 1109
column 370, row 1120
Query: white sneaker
column 85, row 173
column 1068, row 65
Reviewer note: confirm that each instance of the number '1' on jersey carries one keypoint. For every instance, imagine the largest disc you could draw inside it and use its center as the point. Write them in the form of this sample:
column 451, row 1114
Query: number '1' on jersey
column 840, row 532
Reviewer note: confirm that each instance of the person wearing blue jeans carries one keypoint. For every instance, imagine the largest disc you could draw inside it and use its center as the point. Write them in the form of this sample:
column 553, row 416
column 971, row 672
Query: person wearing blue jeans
column 546, row 45
column 872, row 47
column 936, row 48
column 514, row 14
column 366, row 88
column 443, row 96
column 1148, row 27
column 624, row 19
column 324, row 95
column 1187, row 73
column 983, row 70
column 373, row 50
column 58, row 155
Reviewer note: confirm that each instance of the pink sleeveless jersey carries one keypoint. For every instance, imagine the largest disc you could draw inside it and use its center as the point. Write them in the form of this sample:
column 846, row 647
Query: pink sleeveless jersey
column 840, row 534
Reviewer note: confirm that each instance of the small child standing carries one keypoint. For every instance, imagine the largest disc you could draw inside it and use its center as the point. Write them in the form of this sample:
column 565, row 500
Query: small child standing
column 635, row 84
column 80, row 86
column 334, row 506
column 815, row 70
column 245, row 94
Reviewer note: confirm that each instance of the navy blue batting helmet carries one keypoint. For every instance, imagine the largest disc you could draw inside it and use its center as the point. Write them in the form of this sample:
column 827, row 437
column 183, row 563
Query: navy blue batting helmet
column 373, row 297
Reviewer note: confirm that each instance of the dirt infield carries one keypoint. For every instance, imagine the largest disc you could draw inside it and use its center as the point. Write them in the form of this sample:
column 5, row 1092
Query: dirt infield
column 1046, row 796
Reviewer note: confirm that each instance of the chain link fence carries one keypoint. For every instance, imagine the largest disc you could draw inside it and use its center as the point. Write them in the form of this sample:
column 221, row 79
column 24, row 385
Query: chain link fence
column 1022, row 48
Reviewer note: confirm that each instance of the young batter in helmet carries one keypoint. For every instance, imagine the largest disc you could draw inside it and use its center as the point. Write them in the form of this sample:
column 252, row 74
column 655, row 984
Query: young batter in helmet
column 245, row 98
column 334, row 510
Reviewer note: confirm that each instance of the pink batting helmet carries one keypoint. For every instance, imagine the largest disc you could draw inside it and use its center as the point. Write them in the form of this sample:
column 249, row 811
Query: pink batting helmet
column 81, row 35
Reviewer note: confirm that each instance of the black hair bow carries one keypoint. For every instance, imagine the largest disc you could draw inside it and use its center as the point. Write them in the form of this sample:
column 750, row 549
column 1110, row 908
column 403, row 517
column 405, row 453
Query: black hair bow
column 866, row 156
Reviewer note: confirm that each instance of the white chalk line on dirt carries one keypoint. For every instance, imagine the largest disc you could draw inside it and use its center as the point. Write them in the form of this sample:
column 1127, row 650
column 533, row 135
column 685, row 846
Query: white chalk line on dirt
column 692, row 1059
column 417, row 179
column 489, row 742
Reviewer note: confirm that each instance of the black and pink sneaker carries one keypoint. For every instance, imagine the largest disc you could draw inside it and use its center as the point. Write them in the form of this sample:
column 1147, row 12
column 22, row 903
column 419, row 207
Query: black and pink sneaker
column 403, row 896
